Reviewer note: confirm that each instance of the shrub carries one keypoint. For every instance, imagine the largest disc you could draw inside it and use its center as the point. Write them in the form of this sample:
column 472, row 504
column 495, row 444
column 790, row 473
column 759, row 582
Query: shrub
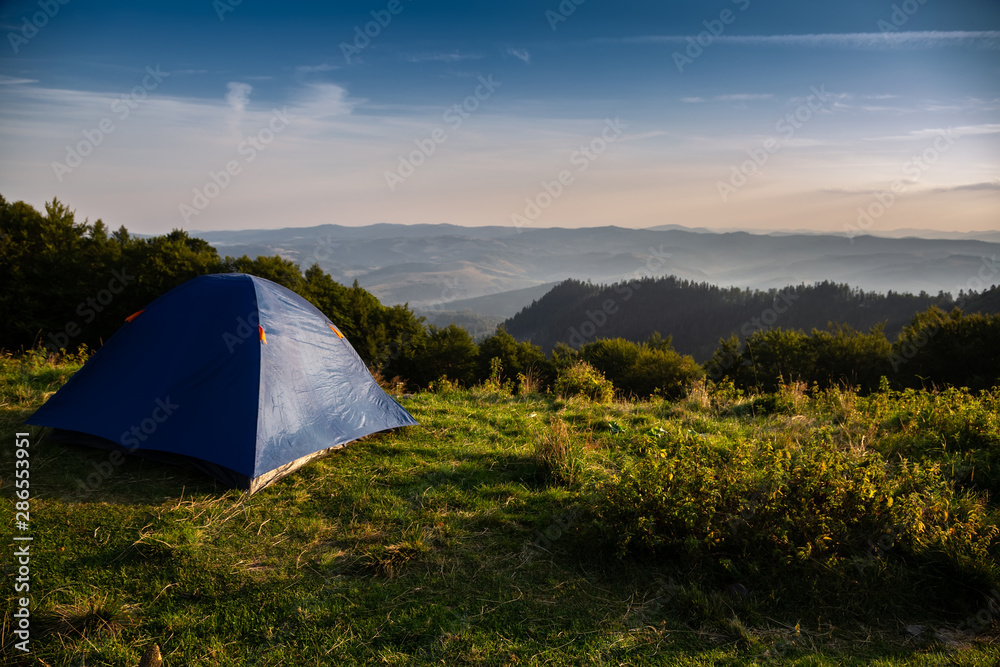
column 582, row 379
column 515, row 357
column 447, row 351
column 653, row 367
column 494, row 384
column 699, row 497
column 443, row 386
column 953, row 348
column 955, row 428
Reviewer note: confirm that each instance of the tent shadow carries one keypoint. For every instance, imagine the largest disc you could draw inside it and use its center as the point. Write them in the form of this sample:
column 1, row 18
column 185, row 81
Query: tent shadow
column 79, row 474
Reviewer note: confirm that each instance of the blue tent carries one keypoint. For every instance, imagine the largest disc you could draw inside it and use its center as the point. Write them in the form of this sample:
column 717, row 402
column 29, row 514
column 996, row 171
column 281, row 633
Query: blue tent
column 232, row 372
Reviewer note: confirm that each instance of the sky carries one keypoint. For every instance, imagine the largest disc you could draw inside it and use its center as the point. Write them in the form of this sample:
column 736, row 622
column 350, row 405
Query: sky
column 859, row 116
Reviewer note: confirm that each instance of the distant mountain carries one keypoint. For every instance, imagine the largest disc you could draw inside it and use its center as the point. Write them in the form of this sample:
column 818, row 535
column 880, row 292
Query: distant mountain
column 697, row 315
column 990, row 236
column 434, row 266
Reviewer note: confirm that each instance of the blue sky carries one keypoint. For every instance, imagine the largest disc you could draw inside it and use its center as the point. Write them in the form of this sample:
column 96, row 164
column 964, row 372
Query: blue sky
column 842, row 117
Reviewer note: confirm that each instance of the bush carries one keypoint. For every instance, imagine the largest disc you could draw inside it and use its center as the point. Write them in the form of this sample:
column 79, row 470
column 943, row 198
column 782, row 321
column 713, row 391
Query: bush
column 515, row 358
column 582, row 379
column 955, row 428
column 653, row 367
column 952, row 348
column 662, row 372
column 495, row 385
column 441, row 351
column 705, row 497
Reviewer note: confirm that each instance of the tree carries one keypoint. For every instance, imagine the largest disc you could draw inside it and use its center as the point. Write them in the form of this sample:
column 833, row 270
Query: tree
column 448, row 351
column 653, row 367
column 514, row 357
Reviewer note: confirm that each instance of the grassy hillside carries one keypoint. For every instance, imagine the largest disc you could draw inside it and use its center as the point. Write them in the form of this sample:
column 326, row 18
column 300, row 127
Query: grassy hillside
column 722, row 529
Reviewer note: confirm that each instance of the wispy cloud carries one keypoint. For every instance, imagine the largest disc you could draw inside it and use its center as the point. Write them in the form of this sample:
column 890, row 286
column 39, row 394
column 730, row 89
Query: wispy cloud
column 737, row 97
column 964, row 130
column 930, row 133
column 643, row 135
column 988, row 186
column 12, row 81
column 989, row 39
column 520, row 54
column 308, row 69
column 237, row 95
column 984, row 186
column 441, row 57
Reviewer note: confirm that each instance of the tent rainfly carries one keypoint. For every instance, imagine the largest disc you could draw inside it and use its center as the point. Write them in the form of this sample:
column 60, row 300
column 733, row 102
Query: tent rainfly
column 233, row 373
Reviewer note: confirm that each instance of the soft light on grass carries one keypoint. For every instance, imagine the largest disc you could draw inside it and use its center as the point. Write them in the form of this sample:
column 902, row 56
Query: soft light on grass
column 422, row 546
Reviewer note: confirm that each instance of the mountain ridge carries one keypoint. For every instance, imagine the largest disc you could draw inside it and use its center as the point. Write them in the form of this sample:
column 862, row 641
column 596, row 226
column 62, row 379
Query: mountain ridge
column 431, row 265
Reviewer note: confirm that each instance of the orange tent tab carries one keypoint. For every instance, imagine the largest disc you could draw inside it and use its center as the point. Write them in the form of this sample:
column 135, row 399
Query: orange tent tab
column 263, row 338
column 336, row 331
column 135, row 315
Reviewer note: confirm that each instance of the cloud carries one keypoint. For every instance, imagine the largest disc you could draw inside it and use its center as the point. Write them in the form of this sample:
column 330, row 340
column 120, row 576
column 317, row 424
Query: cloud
column 965, row 130
column 737, row 97
column 13, row 81
column 953, row 132
column 440, row 57
column 520, row 54
column 988, row 186
column 323, row 101
column 851, row 192
column 237, row 95
column 744, row 97
column 308, row 69
column 644, row 135
column 989, row 39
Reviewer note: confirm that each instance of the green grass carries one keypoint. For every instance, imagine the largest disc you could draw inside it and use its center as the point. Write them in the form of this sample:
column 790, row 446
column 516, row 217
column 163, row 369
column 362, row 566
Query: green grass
column 535, row 530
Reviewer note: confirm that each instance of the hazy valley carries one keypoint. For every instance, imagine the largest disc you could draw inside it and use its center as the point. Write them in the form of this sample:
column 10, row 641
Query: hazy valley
column 478, row 276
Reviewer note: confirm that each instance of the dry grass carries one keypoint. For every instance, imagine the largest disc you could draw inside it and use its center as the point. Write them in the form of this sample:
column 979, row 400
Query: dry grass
column 558, row 454
column 92, row 615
